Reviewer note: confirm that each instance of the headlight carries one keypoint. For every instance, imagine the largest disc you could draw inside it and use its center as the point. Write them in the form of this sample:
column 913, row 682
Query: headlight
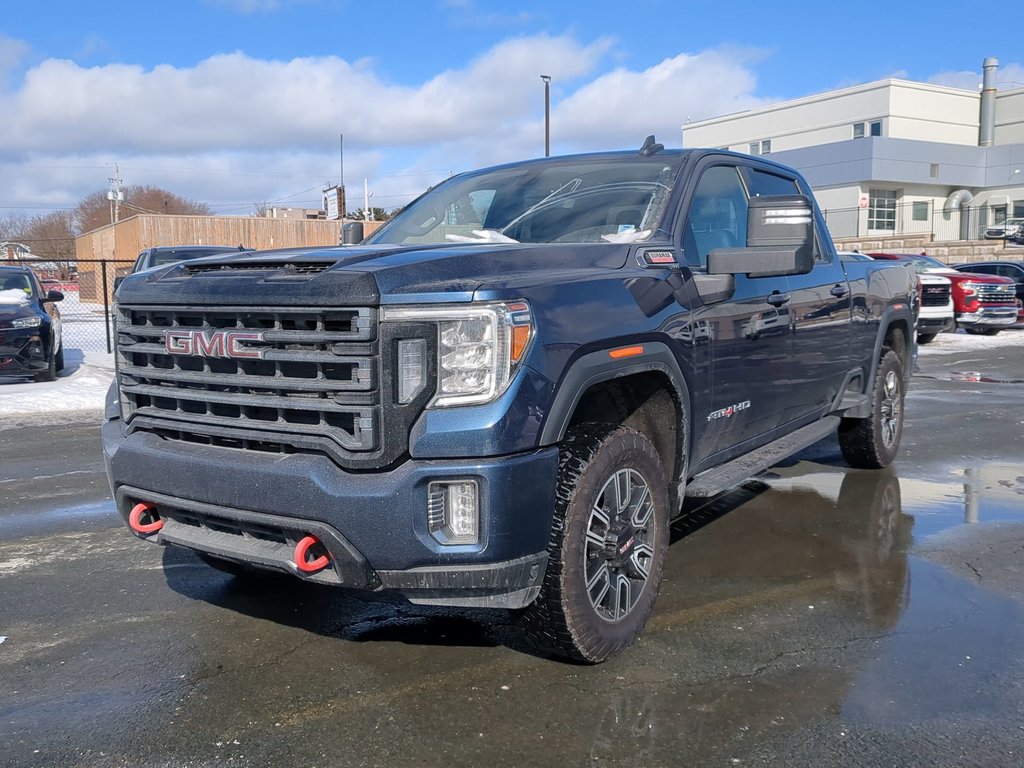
column 480, row 346
column 971, row 288
column 27, row 322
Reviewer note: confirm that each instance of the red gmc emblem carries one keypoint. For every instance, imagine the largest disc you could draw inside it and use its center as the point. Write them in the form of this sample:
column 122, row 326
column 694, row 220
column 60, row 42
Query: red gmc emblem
column 213, row 343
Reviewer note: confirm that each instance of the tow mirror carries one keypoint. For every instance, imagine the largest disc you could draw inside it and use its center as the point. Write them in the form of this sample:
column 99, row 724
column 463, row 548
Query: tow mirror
column 780, row 240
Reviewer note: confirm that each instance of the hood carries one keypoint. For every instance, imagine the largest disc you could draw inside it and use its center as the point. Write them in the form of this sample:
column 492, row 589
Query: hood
column 955, row 275
column 366, row 275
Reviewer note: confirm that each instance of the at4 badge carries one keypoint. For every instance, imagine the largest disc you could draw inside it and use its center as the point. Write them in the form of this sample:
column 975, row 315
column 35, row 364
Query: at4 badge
column 725, row 413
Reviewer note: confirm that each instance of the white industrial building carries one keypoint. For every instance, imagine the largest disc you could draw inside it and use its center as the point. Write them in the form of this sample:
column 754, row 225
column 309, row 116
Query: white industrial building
column 894, row 157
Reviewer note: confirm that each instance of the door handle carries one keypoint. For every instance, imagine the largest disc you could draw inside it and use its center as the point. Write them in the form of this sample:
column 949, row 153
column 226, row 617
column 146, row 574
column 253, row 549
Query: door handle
column 838, row 290
column 778, row 299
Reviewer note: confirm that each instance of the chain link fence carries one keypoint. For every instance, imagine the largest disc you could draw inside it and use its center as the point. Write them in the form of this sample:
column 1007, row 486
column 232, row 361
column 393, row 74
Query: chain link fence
column 921, row 217
column 86, row 313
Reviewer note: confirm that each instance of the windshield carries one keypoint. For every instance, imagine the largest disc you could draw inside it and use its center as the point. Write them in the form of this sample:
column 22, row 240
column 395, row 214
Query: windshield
column 15, row 288
column 927, row 263
column 586, row 200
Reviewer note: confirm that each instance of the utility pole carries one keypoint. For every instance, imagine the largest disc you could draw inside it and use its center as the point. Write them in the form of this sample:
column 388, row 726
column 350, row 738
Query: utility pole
column 367, row 211
column 115, row 195
column 547, row 114
column 341, row 177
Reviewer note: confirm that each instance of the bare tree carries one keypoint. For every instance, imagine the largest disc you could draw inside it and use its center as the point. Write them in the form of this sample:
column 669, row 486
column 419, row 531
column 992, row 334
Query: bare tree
column 94, row 209
column 51, row 237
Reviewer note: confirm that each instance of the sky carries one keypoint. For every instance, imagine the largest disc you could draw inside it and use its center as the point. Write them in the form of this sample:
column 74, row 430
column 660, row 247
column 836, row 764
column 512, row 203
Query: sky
column 243, row 102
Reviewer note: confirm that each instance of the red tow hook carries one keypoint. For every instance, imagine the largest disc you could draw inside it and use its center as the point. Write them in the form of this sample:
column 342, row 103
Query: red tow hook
column 135, row 519
column 302, row 551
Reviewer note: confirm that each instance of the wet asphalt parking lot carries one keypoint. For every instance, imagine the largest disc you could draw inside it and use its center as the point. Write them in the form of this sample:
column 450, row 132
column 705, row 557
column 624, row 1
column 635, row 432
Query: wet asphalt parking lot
column 817, row 616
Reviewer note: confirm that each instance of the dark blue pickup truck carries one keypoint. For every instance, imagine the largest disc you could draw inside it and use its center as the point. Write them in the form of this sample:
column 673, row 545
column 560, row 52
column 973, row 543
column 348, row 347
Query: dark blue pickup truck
column 501, row 398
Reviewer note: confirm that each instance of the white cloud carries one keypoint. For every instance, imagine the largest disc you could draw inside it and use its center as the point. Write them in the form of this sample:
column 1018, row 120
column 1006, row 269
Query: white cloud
column 1008, row 76
column 624, row 105
column 12, row 54
column 236, row 129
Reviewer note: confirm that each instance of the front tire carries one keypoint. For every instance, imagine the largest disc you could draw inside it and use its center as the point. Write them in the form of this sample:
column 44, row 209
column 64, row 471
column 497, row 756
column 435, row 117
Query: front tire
column 926, row 338
column 609, row 539
column 50, row 374
column 872, row 442
column 983, row 331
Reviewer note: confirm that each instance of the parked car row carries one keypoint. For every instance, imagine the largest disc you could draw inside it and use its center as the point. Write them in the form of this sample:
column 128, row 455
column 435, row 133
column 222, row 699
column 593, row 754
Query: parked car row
column 983, row 298
column 1011, row 229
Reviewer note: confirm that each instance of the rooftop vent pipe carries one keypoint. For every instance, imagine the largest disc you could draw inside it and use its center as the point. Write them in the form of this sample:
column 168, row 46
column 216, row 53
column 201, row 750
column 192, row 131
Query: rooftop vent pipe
column 987, row 121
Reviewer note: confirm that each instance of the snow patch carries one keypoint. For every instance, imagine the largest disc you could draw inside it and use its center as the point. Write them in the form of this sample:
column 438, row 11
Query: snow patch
column 947, row 343
column 82, row 386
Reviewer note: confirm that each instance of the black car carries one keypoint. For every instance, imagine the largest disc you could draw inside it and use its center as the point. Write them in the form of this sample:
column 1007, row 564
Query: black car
column 162, row 255
column 30, row 338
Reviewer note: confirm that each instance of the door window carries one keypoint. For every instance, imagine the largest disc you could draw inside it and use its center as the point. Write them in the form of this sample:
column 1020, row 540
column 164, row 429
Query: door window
column 718, row 215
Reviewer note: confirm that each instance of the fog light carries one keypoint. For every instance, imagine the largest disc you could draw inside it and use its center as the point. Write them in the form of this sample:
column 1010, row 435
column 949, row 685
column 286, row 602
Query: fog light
column 453, row 511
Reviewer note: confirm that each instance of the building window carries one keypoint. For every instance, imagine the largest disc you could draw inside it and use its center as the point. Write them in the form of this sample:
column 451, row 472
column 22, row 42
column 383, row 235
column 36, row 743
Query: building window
column 876, row 127
column 858, row 130
column 766, row 147
column 882, row 210
column 919, row 210
column 998, row 214
column 755, row 148
column 1018, row 209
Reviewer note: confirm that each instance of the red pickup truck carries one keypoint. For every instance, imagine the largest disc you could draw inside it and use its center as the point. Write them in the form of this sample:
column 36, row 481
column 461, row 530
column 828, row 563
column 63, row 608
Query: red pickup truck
column 982, row 304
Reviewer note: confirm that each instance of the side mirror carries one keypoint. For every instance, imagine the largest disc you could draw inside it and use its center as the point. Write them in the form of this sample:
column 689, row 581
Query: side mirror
column 352, row 233
column 54, row 296
column 117, row 282
column 780, row 240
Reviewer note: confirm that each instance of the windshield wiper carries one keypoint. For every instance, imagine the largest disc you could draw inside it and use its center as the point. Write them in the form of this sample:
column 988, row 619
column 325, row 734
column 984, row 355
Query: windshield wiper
column 568, row 188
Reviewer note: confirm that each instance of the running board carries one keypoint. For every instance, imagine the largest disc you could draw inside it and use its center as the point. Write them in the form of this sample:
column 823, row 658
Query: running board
column 729, row 475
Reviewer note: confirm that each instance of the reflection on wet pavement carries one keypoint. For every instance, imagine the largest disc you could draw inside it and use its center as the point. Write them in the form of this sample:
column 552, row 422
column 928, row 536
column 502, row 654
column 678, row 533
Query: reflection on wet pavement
column 816, row 616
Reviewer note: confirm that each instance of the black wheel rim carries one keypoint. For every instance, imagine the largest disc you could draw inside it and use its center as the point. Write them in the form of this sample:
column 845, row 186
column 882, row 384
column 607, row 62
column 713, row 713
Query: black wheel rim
column 619, row 550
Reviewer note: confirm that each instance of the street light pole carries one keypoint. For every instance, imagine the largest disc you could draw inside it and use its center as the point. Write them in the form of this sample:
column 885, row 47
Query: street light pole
column 547, row 114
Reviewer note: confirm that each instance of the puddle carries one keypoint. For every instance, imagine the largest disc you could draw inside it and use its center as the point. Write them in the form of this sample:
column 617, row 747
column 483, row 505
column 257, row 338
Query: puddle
column 971, row 377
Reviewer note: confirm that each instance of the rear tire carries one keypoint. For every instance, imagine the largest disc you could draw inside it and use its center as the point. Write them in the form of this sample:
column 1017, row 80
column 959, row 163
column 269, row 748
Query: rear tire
column 872, row 442
column 609, row 539
column 926, row 338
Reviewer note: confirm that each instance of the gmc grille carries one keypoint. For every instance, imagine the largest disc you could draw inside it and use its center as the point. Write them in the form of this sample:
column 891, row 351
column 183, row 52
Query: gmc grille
column 317, row 389
column 934, row 295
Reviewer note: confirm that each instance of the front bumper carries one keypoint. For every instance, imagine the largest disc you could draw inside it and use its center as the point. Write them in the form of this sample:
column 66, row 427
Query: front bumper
column 997, row 316
column 22, row 351
column 935, row 324
column 253, row 507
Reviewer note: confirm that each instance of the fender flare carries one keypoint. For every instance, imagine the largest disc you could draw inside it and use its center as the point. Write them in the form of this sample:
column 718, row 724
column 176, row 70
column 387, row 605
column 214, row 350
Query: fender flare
column 886, row 321
column 596, row 367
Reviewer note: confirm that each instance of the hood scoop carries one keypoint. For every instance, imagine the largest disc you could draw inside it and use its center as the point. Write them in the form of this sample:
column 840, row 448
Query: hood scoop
column 283, row 268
